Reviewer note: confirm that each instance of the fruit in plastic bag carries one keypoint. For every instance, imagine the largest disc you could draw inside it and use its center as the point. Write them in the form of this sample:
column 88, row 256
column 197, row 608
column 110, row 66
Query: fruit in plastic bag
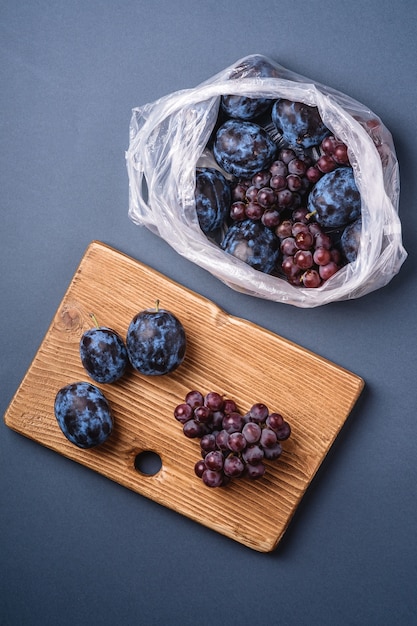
column 189, row 129
column 350, row 240
column 256, row 66
column 243, row 148
column 251, row 242
column 244, row 108
column 299, row 123
column 335, row 200
column 212, row 199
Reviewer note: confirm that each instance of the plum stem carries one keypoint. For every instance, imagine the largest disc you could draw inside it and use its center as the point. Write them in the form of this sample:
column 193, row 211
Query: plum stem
column 157, row 305
column 93, row 317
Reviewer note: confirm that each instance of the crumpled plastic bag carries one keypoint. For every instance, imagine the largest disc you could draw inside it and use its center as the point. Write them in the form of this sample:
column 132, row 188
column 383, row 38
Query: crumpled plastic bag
column 168, row 140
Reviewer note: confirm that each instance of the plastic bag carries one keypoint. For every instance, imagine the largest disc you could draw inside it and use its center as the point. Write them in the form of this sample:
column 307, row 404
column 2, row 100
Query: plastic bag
column 168, row 140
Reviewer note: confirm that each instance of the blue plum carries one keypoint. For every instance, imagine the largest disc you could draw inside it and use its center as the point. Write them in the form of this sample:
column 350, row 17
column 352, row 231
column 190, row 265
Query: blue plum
column 350, row 240
column 256, row 66
column 299, row 124
column 103, row 354
column 156, row 342
column 83, row 414
column 243, row 148
column 335, row 200
column 243, row 107
column 251, row 242
column 212, row 198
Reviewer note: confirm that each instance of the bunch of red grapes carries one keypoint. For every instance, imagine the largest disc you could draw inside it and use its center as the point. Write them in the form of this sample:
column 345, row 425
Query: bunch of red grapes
column 232, row 445
column 276, row 197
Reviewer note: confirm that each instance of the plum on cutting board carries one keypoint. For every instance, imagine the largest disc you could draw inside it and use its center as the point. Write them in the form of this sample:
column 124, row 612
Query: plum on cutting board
column 103, row 354
column 156, row 342
column 83, row 414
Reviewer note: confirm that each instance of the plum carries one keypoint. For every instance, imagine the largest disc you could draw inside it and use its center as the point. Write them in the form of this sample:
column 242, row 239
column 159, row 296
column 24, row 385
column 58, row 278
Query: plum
column 251, row 242
column 335, row 200
column 83, row 414
column 243, row 107
column 256, row 66
column 212, row 198
column 350, row 240
column 299, row 124
column 243, row 148
column 156, row 342
column 103, row 354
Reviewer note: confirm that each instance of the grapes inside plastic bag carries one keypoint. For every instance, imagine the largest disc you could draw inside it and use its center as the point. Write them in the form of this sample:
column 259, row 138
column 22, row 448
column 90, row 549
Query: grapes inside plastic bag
column 172, row 137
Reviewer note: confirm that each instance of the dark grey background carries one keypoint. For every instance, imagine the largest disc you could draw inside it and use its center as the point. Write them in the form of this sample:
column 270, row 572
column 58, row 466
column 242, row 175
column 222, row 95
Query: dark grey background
column 76, row 548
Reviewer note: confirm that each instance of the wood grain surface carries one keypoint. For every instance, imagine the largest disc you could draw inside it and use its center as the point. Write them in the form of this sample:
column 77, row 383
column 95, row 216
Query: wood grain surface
column 225, row 354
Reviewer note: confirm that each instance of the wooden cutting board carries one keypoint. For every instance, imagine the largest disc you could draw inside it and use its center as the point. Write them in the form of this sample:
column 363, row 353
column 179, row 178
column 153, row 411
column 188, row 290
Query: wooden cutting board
column 224, row 354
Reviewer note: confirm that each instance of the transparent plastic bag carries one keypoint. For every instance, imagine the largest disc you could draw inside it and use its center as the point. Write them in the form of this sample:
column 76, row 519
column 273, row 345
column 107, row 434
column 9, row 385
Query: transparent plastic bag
column 168, row 140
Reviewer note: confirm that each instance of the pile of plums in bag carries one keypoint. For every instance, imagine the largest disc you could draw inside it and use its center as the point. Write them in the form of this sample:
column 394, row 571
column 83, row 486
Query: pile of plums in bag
column 232, row 445
column 284, row 198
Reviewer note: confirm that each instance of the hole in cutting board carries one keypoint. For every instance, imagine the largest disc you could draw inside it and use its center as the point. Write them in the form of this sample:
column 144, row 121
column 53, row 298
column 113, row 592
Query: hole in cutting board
column 148, row 462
